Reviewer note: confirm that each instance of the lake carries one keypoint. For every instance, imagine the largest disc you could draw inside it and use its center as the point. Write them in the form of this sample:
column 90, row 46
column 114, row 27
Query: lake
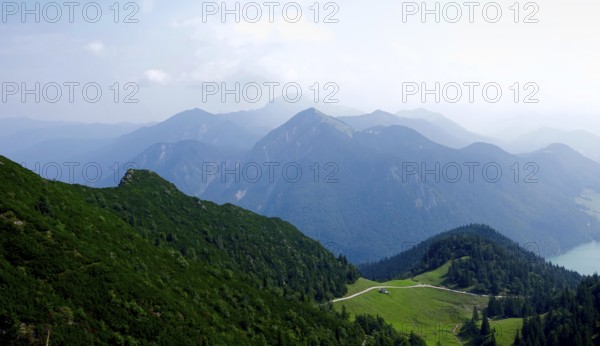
column 585, row 259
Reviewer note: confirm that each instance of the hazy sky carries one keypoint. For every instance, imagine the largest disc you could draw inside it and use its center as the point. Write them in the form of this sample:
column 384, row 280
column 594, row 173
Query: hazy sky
column 374, row 52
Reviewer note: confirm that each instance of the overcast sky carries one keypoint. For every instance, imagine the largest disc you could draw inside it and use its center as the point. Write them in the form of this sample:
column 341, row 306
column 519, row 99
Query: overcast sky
column 375, row 53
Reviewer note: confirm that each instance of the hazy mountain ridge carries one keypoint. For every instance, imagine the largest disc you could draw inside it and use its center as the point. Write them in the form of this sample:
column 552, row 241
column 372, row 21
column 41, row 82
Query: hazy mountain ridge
column 274, row 114
column 429, row 129
column 583, row 141
column 341, row 167
column 403, row 209
column 30, row 140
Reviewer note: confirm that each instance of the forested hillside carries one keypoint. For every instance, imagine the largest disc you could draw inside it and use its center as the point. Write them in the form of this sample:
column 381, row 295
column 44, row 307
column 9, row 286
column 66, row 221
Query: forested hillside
column 483, row 261
column 143, row 263
column 573, row 319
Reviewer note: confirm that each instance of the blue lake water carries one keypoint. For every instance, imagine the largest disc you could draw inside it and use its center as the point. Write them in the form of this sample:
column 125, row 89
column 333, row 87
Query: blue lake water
column 585, row 259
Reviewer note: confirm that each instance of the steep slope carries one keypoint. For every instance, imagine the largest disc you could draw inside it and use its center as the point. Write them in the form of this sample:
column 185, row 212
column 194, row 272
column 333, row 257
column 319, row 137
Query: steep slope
column 301, row 176
column 185, row 163
column 143, row 263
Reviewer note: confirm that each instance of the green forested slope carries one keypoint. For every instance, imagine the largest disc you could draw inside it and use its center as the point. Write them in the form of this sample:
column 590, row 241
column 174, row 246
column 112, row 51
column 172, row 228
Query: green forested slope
column 481, row 260
column 145, row 264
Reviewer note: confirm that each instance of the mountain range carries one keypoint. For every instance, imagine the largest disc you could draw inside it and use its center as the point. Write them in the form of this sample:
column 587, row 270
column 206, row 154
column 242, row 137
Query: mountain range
column 370, row 185
column 367, row 191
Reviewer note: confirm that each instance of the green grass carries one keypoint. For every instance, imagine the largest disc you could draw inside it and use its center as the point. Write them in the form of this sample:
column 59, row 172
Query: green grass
column 399, row 283
column 506, row 330
column 434, row 277
column 431, row 313
column 360, row 285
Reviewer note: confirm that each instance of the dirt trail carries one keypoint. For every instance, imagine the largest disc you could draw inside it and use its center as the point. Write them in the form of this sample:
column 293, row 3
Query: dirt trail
column 408, row 287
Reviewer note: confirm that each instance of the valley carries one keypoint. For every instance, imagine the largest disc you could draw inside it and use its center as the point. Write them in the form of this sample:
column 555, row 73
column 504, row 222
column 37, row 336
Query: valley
column 431, row 312
column 427, row 300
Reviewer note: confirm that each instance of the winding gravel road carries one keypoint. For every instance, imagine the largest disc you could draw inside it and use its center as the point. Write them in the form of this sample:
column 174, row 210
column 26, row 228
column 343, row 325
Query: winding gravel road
column 407, row 287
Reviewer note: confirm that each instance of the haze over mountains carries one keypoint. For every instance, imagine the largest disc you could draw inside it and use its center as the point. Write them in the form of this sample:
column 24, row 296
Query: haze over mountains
column 371, row 184
column 381, row 198
column 30, row 140
column 583, row 141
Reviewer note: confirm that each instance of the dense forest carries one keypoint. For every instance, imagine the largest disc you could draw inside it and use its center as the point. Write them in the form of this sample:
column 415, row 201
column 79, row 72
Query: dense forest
column 145, row 264
column 477, row 330
column 572, row 319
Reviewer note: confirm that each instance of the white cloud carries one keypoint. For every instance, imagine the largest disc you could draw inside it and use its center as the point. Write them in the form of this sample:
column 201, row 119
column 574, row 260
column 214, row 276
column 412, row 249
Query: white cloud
column 157, row 76
column 96, row 47
column 368, row 61
column 303, row 31
column 147, row 5
column 215, row 71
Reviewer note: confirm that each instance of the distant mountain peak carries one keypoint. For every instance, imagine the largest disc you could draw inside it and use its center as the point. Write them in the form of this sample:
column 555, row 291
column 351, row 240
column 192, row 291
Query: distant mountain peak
column 145, row 178
column 380, row 111
column 483, row 147
column 559, row 149
column 311, row 112
column 559, row 146
column 381, row 117
column 314, row 117
column 133, row 176
column 194, row 113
